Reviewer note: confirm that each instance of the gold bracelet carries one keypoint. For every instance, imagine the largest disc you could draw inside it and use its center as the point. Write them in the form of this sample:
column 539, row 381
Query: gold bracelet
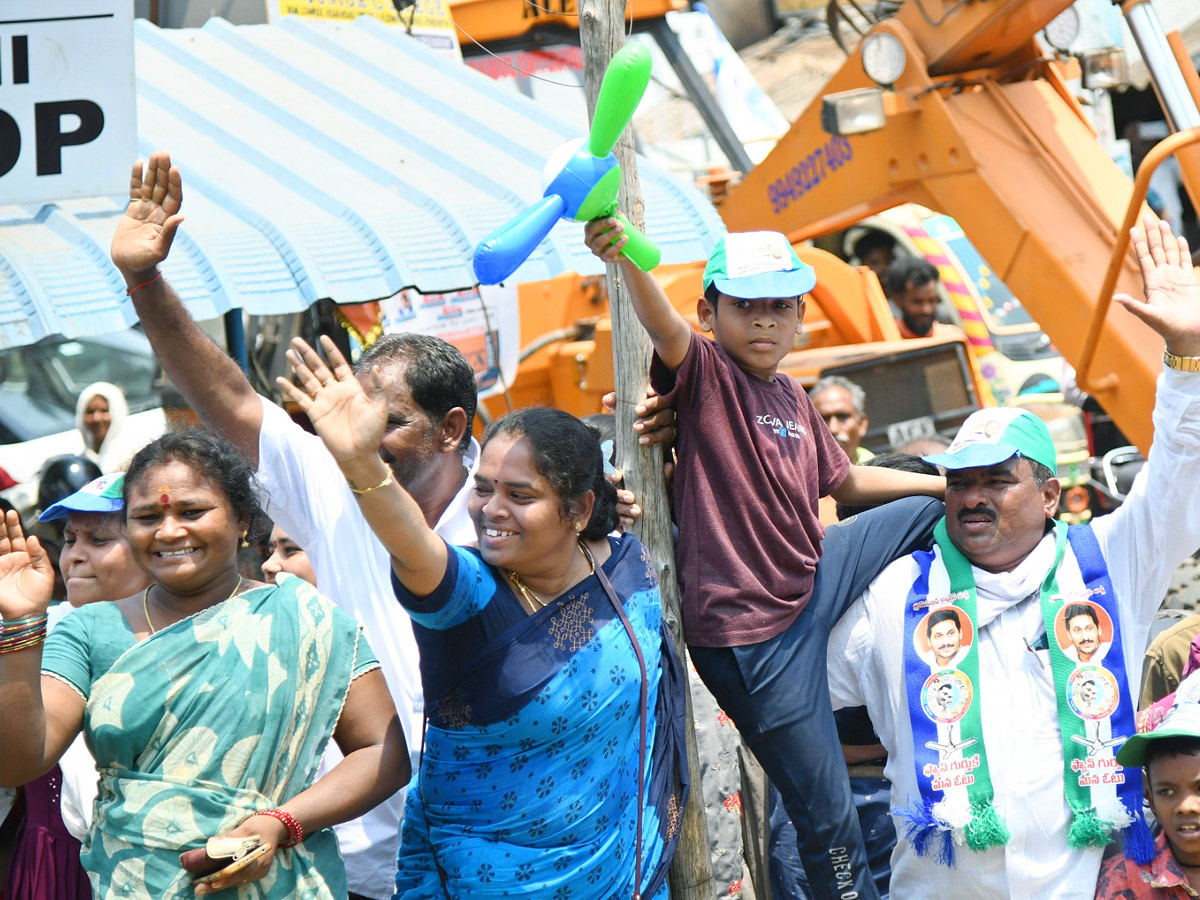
column 1181, row 363
column 360, row 491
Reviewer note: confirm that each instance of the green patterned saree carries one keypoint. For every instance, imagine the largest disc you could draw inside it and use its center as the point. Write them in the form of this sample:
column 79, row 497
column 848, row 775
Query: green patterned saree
column 207, row 721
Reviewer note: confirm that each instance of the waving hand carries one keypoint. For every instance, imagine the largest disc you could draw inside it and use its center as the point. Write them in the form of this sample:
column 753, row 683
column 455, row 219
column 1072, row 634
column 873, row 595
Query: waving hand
column 145, row 233
column 26, row 576
column 349, row 419
column 1172, row 305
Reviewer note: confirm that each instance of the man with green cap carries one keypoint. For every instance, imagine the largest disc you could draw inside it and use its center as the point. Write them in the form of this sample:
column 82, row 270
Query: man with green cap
column 1015, row 787
column 755, row 456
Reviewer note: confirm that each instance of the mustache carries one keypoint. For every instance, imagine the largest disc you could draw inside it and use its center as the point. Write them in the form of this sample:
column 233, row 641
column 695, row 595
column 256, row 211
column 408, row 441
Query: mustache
column 981, row 510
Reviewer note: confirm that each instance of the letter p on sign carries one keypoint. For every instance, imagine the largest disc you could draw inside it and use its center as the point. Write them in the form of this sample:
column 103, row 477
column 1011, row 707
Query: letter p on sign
column 68, row 123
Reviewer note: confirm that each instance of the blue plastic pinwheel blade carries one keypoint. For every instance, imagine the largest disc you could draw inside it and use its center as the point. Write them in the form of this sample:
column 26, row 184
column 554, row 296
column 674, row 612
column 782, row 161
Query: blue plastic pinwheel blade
column 502, row 252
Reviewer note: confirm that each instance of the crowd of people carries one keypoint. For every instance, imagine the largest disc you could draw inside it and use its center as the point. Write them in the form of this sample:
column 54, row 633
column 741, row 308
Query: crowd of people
column 451, row 675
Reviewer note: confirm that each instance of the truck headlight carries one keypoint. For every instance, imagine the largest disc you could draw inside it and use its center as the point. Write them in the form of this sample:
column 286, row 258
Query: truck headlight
column 853, row 112
column 1105, row 69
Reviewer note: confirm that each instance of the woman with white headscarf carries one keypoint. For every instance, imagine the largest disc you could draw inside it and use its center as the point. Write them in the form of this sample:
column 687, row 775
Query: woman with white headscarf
column 102, row 417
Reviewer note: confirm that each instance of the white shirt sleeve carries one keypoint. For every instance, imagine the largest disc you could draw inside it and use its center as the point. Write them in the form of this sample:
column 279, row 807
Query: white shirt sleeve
column 1158, row 526
column 80, row 785
column 301, row 480
column 849, row 644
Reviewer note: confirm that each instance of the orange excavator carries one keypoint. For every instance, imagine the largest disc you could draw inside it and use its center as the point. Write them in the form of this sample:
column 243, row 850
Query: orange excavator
column 956, row 106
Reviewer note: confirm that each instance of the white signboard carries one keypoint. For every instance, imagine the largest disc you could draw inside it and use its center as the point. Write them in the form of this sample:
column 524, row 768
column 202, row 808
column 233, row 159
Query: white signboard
column 67, row 110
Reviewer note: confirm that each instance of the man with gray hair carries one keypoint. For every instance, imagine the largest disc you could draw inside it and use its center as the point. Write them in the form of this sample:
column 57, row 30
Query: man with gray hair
column 842, row 404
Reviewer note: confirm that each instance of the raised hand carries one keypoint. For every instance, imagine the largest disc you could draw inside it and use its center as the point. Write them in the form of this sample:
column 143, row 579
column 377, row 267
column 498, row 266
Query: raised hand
column 26, row 576
column 347, row 418
column 1172, row 305
column 145, row 233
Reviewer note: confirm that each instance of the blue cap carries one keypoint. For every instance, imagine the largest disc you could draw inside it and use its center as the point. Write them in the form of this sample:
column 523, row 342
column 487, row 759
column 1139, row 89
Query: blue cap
column 102, row 495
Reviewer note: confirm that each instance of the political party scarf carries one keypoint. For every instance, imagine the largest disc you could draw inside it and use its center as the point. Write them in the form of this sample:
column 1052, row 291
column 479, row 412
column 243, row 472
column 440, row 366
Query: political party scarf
column 1095, row 708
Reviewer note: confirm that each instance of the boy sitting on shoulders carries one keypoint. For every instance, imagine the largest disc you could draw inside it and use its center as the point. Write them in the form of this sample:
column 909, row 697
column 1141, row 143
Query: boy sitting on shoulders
column 754, row 459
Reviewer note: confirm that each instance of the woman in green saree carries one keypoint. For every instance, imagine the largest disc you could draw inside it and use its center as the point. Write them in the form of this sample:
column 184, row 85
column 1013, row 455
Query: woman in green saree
column 206, row 700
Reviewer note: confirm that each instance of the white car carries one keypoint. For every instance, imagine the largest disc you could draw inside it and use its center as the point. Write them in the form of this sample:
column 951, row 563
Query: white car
column 39, row 385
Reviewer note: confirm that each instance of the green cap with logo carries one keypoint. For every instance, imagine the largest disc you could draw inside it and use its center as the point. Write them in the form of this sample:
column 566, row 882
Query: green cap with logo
column 991, row 436
column 755, row 265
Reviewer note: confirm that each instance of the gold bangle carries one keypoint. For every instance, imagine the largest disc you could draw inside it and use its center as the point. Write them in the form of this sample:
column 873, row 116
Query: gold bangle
column 1181, row 363
column 360, row 491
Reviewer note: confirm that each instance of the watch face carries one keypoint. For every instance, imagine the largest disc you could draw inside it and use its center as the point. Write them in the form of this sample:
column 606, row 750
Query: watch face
column 883, row 57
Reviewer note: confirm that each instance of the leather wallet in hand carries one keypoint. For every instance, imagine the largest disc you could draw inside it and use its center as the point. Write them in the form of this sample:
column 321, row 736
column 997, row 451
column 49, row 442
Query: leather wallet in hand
column 217, row 853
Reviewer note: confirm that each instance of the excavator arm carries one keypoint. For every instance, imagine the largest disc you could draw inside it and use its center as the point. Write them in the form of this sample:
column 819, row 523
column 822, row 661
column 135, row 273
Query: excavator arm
column 982, row 127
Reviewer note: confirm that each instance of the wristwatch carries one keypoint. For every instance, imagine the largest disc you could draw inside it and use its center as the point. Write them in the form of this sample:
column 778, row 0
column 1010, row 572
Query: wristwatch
column 1181, row 363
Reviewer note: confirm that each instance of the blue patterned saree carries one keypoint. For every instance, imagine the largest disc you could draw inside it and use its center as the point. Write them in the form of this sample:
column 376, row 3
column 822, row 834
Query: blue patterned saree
column 201, row 725
column 529, row 780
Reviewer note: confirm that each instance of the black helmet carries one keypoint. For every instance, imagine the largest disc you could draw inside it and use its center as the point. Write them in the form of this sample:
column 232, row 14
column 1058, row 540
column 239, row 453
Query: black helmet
column 62, row 476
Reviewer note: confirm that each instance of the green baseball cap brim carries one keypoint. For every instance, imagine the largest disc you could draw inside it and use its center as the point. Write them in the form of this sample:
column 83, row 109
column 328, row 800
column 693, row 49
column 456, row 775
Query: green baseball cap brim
column 991, row 436
column 755, row 265
column 1133, row 752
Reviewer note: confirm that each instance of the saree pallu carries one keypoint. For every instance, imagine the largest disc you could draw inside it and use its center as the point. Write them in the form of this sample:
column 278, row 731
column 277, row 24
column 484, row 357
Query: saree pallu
column 208, row 721
column 529, row 781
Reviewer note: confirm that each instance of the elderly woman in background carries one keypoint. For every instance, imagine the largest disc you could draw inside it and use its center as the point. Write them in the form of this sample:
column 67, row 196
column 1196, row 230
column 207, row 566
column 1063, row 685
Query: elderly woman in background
column 109, row 438
column 553, row 761
column 206, row 700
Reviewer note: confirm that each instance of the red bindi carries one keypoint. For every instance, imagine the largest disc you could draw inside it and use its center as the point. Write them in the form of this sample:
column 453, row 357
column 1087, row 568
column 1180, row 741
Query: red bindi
column 164, row 498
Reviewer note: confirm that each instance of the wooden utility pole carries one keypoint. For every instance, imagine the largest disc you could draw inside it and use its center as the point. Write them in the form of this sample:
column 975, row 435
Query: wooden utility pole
column 601, row 34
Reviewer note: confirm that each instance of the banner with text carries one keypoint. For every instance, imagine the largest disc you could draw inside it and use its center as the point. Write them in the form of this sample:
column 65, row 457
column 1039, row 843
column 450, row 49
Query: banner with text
column 483, row 322
column 429, row 21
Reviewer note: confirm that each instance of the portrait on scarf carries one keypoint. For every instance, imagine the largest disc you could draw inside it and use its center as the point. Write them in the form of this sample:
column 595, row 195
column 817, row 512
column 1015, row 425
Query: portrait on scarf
column 1084, row 631
column 944, row 638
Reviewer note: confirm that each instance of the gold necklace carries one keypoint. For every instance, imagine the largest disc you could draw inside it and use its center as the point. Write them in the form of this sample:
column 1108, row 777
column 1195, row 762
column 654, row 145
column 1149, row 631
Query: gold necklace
column 146, row 604
column 536, row 601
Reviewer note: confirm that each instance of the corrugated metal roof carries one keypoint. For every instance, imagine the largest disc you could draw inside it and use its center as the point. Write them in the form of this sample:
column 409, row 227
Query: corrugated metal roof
column 320, row 160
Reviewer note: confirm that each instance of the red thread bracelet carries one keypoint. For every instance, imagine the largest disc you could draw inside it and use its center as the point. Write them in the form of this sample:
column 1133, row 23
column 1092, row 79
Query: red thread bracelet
column 129, row 291
column 290, row 822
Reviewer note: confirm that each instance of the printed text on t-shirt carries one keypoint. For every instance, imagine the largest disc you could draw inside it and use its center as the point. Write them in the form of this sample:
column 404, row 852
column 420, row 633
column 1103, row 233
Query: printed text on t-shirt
column 782, row 428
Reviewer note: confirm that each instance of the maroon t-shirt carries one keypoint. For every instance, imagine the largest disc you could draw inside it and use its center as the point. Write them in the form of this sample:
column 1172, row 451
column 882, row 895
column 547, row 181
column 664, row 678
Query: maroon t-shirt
column 754, row 459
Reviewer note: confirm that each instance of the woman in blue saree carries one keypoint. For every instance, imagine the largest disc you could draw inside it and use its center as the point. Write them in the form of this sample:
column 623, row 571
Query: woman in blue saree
column 206, row 700
column 553, row 760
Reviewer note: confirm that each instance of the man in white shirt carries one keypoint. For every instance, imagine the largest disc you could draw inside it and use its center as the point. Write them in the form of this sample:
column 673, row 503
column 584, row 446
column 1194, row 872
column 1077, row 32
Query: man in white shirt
column 1000, row 540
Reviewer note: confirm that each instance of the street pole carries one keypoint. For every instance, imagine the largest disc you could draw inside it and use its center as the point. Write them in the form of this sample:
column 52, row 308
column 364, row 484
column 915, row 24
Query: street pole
column 601, row 34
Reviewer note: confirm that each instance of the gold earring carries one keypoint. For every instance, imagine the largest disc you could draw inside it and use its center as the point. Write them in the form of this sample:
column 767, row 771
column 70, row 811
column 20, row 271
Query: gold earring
column 579, row 528
column 244, row 542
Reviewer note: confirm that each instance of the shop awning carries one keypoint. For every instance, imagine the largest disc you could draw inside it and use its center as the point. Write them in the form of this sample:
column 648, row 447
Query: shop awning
column 320, row 160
